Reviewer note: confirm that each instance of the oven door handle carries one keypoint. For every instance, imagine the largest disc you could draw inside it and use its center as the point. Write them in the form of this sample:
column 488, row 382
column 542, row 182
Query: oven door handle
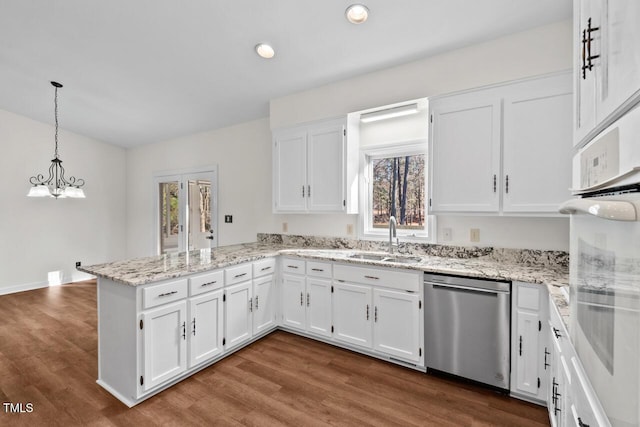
column 614, row 210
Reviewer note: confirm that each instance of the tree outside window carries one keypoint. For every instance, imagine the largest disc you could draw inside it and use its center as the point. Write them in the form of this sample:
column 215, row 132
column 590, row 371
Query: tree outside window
column 398, row 189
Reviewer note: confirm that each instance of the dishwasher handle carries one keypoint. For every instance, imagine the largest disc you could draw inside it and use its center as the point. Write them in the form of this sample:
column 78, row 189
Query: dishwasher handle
column 468, row 289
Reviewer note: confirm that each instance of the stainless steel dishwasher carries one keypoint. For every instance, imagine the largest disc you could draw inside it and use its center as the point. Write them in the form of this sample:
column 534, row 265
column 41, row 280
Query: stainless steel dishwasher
column 467, row 328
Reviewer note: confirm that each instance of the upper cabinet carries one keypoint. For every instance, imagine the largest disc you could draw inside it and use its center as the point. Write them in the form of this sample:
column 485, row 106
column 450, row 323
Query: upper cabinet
column 606, row 63
column 311, row 169
column 504, row 149
column 465, row 159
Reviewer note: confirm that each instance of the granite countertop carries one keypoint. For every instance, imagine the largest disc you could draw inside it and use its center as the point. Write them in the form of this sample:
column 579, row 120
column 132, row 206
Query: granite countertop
column 510, row 265
column 141, row 271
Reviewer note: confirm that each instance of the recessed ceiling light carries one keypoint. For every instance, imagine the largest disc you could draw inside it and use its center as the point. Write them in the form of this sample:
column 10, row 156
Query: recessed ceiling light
column 357, row 13
column 265, row 50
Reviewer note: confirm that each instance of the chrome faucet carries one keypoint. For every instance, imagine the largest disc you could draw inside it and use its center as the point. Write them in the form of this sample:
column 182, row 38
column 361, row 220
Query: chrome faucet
column 392, row 233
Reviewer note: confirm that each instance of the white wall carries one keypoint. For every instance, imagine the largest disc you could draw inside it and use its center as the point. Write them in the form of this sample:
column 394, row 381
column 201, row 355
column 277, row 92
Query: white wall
column 243, row 156
column 243, row 152
column 539, row 51
column 40, row 235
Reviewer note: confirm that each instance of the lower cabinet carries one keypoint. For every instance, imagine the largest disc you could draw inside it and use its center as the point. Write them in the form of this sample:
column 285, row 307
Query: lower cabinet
column 164, row 344
column 528, row 354
column 386, row 318
column 572, row 401
column 206, row 321
column 263, row 309
column 306, row 298
column 352, row 312
column 396, row 319
column 238, row 319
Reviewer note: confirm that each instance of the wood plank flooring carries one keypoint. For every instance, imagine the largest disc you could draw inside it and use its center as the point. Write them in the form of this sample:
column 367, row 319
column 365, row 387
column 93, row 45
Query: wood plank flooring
column 48, row 357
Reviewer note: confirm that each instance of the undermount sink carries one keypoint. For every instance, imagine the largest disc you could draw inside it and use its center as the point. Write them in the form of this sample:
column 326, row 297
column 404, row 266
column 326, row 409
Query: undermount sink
column 387, row 258
column 402, row 259
column 368, row 257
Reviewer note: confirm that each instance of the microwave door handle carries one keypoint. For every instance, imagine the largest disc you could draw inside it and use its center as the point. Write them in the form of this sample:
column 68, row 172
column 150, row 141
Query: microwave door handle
column 614, row 210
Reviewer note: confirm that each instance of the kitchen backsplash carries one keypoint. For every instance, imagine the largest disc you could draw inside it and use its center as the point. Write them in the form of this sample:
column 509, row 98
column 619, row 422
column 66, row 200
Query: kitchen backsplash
column 528, row 257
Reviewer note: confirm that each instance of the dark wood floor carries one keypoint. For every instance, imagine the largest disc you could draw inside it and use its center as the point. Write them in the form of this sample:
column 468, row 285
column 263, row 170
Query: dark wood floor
column 48, row 357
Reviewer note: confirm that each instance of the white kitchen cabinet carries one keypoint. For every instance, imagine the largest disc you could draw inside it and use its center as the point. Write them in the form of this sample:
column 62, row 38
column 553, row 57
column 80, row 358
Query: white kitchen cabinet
column 164, row 343
column 352, row 314
column 608, row 84
column 318, row 306
column 528, row 337
column 526, row 124
column 396, row 318
column 238, row 314
column 290, row 171
column 206, row 327
column 263, row 304
column 311, row 169
column 536, row 150
column 465, row 153
column 292, row 301
column 306, row 296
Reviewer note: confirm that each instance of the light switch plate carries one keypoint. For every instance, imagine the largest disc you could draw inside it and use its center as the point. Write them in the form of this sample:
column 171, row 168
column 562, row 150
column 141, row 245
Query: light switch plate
column 474, row 235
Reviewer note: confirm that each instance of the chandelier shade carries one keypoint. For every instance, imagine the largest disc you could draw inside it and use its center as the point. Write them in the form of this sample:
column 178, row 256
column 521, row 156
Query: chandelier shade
column 56, row 184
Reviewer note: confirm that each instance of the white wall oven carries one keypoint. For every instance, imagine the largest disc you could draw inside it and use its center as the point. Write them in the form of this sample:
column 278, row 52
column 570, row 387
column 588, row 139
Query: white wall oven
column 605, row 267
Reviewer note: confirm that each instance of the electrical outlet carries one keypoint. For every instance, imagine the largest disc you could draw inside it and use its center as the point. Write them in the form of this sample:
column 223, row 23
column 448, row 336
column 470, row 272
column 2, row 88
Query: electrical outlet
column 446, row 234
column 349, row 229
column 285, row 227
column 474, row 235
column 228, row 219
column 78, row 264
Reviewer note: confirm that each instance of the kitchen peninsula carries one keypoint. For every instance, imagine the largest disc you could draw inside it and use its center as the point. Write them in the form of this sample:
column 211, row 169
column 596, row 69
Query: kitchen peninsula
column 163, row 318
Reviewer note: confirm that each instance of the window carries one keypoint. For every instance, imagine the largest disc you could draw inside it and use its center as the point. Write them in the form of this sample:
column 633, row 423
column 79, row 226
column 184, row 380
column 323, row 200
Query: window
column 394, row 184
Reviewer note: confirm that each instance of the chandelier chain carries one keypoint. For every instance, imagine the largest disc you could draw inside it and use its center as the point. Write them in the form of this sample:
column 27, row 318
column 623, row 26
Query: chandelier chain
column 55, row 102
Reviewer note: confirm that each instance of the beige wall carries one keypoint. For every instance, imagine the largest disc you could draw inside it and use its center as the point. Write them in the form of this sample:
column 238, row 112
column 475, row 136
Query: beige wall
column 40, row 235
column 243, row 156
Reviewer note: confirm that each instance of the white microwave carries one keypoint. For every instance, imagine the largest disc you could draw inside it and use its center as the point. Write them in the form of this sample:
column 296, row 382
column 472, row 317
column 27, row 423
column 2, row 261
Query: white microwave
column 611, row 159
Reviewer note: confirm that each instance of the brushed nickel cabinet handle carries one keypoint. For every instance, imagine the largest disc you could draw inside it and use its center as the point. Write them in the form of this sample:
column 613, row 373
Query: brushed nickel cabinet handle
column 166, row 294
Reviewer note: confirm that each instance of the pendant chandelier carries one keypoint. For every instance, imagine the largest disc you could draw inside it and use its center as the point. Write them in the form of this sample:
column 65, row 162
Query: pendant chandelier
column 56, row 185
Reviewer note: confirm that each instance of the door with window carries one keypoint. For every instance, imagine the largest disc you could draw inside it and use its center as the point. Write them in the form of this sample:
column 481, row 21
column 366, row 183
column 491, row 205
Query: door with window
column 186, row 211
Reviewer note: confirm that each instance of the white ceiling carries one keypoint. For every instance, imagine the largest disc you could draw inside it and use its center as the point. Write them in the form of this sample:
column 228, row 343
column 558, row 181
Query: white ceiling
column 141, row 71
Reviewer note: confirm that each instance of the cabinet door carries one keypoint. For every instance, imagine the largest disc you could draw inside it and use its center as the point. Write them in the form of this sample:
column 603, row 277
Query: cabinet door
column 527, row 355
column 293, row 300
column 621, row 79
column 164, row 343
column 325, row 187
column 396, row 328
column 537, row 145
column 465, row 154
column 319, row 306
column 263, row 304
column 353, row 314
column 587, row 84
column 206, row 317
column 238, row 319
column 290, row 172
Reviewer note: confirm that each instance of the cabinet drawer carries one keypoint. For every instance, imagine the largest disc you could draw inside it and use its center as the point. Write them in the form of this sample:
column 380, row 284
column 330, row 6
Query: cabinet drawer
column 237, row 274
column 293, row 266
column 558, row 331
column 153, row 296
column 528, row 297
column 206, row 282
column 319, row 269
column 264, row 267
column 394, row 279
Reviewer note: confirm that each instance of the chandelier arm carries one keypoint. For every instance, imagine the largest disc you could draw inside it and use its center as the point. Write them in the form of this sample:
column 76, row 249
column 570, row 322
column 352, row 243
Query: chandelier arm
column 37, row 179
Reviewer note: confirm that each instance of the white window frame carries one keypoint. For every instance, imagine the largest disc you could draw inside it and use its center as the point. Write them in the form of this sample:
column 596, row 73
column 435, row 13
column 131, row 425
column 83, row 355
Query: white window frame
column 396, row 149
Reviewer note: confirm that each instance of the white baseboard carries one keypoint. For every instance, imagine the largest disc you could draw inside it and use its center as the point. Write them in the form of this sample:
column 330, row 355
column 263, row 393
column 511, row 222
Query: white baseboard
column 23, row 287
column 75, row 277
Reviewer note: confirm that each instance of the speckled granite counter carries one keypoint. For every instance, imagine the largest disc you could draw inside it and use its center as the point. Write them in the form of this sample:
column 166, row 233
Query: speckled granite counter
column 544, row 267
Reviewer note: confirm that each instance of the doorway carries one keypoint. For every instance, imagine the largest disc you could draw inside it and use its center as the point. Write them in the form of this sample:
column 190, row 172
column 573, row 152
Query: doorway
column 186, row 211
